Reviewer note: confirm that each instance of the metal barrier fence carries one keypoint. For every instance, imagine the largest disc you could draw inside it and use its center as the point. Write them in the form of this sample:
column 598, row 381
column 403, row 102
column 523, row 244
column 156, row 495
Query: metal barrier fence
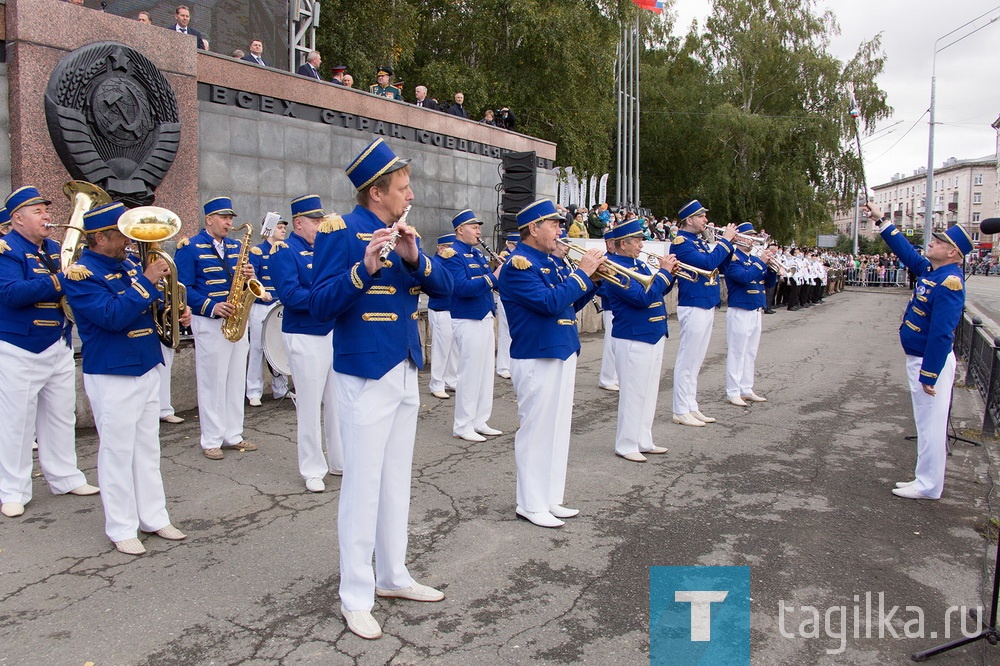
column 982, row 356
column 877, row 277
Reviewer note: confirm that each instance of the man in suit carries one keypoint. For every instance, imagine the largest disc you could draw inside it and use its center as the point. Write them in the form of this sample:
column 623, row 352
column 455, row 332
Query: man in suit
column 457, row 109
column 256, row 55
column 310, row 67
column 382, row 88
column 338, row 74
column 423, row 100
column 183, row 18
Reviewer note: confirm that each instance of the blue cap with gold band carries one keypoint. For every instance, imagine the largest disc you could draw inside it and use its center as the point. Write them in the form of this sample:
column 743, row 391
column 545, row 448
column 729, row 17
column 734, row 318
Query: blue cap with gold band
column 745, row 228
column 308, row 205
column 220, row 206
column 957, row 237
column 376, row 160
column 692, row 208
column 465, row 217
column 629, row 229
column 4, row 217
column 513, row 237
column 563, row 233
column 446, row 239
column 611, row 233
column 103, row 217
column 542, row 209
column 23, row 196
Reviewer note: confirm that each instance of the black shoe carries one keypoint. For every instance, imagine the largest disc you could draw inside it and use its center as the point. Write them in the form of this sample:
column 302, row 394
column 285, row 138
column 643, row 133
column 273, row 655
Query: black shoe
column 794, row 308
column 769, row 311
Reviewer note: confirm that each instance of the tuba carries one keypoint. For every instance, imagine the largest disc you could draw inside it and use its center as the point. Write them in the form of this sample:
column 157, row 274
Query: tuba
column 242, row 294
column 83, row 196
column 148, row 226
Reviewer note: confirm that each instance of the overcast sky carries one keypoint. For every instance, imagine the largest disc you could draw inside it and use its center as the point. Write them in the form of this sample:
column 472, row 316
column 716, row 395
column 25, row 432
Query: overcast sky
column 968, row 76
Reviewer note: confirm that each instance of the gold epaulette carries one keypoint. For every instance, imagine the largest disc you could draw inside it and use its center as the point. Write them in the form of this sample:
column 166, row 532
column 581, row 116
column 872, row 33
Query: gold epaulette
column 76, row 272
column 953, row 283
column 678, row 240
column 520, row 263
column 256, row 250
column 3, row 246
column 332, row 223
column 447, row 253
column 277, row 245
column 183, row 242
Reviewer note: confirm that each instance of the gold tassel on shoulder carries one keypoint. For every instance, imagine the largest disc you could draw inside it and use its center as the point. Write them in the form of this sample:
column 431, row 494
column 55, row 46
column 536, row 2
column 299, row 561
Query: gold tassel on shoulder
column 76, row 272
column 278, row 245
column 678, row 240
column 447, row 253
column 520, row 263
column 953, row 283
column 183, row 242
column 3, row 246
column 332, row 222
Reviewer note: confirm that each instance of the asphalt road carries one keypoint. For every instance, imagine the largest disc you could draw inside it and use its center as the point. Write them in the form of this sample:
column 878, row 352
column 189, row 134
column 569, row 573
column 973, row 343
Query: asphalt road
column 798, row 488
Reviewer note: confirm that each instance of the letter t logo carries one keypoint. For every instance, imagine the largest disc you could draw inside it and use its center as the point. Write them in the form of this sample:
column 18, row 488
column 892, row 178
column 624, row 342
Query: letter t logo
column 701, row 611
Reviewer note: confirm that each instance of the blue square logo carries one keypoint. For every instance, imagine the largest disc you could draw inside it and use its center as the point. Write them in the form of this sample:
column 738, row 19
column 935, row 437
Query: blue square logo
column 699, row 615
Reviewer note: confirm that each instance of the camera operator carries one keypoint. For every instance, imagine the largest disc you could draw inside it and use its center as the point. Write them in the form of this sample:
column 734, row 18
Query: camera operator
column 505, row 118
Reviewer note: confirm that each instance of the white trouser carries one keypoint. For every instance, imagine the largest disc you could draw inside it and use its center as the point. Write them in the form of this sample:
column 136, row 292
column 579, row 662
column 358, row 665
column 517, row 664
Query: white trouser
column 126, row 414
column 378, row 424
column 503, row 337
column 742, row 339
column 37, row 401
column 638, row 365
column 474, row 343
column 255, row 362
column 931, row 416
column 696, row 333
column 221, row 370
column 544, row 388
column 609, row 374
column 311, row 358
column 444, row 357
column 164, row 369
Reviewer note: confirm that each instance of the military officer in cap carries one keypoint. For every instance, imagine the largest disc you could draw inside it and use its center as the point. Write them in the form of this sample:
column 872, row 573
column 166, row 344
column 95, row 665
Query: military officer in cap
column 376, row 355
column 382, row 88
column 747, row 280
column 503, row 328
column 472, row 314
column 309, row 342
column 205, row 265
column 444, row 356
column 639, row 331
column 541, row 310
column 111, row 296
column 927, row 335
column 696, row 307
column 37, row 372
column 260, row 256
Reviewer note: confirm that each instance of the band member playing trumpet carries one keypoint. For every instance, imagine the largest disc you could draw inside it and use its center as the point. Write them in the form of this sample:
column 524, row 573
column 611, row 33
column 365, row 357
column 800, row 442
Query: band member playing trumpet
column 696, row 307
column 640, row 328
column 747, row 280
column 206, row 264
column 110, row 296
column 260, row 259
column 37, row 372
column 542, row 311
column 376, row 355
column 309, row 342
column 472, row 311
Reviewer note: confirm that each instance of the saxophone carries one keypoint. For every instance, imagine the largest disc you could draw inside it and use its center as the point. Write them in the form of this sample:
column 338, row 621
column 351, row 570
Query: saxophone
column 242, row 294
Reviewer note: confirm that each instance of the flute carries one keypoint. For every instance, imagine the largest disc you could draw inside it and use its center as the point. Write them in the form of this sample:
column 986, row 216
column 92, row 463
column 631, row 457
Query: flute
column 390, row 244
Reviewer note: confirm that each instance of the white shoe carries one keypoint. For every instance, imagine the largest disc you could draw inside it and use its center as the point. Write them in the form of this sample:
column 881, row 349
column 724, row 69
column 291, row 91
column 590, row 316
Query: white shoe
column 563, row 512
column 540, row 518
column 255, row 402
column 632, row 457
column 315, row 485
column 12, row 509
column 471, row 437
column 504, row 374
column 362, row 623
column 488, row 431
column 610, row 387
column 130, row 547
column 737, row 400
column 415, row 592
column 84, row 490
column 656, row 450
column 753, row 397
column 441, row 394
column 903, row 484
column 910, row 493
column 688, row 420
column 701, row 417
column 170, row 533
column 171, row 418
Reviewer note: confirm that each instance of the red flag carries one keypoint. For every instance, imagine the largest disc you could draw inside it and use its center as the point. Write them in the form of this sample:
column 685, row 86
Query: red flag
column 651, row 5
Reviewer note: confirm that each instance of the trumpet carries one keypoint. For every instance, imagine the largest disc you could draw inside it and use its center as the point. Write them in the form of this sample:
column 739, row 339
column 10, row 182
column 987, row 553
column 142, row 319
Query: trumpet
column 686, row 271
column 714, row 234
column 148, row 226
column 612, row 272
column 390, row 244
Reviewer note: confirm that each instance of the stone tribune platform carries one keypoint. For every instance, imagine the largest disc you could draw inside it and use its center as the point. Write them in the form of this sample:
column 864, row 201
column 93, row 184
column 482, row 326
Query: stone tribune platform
column 797, row 488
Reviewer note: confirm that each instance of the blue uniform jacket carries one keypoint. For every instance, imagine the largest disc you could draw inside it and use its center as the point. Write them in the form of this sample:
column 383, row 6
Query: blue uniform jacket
column 746, row 279
column 374, row 316
column 110, row 302
column 640, row 314
column 30, row 315
column 541, row 308
column 207, row 277
column 291, row 269
column 439, row 303
column 260, row 256
column 928, row 328
column 472, row 294
column 693, row 250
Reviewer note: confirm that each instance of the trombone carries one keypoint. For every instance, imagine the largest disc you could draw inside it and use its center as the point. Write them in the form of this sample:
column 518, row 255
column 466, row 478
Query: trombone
column 148, row 226
column 612, row 272
column 687, row 271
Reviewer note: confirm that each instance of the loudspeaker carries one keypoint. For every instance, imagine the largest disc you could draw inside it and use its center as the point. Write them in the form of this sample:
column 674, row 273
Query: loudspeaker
column 519, row 162
column 508, row 224
column 517, row 184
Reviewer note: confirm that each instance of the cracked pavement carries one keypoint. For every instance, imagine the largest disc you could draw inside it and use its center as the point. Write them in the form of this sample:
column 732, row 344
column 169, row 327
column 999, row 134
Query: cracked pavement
column 798, row 488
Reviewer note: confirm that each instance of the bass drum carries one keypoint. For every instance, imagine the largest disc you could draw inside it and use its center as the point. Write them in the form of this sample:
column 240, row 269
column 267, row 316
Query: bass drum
column 273, row 343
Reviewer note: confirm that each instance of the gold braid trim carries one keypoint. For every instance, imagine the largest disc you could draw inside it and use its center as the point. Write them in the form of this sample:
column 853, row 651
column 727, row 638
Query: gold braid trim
column 953, row 283
column 355, row 280
column 256, row 250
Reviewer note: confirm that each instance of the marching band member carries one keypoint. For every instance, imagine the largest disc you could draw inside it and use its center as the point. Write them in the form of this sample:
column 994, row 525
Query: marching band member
column 310, row 348
column 111, row 296
column 640, row 328
column 167, row 414
column 376, row 355
column 927, row 336
column 260, row 256
column 795, row 272
column 503, row 328
column 695, row 307
column 608, row 378
column 444, row 356
column 37, row 372
column 747, row 280
column 205, row 264
column 542, row 311
column 472, row 318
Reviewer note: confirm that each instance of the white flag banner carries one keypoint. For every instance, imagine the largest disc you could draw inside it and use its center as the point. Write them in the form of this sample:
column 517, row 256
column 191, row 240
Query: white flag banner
column 602, row 196
column 582, row 200
column 593, row 192
column 574, row 189
column 565, row 185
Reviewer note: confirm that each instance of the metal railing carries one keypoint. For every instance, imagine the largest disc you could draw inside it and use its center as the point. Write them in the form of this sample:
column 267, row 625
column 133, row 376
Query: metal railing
column 982, row 356
column 874, row 276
